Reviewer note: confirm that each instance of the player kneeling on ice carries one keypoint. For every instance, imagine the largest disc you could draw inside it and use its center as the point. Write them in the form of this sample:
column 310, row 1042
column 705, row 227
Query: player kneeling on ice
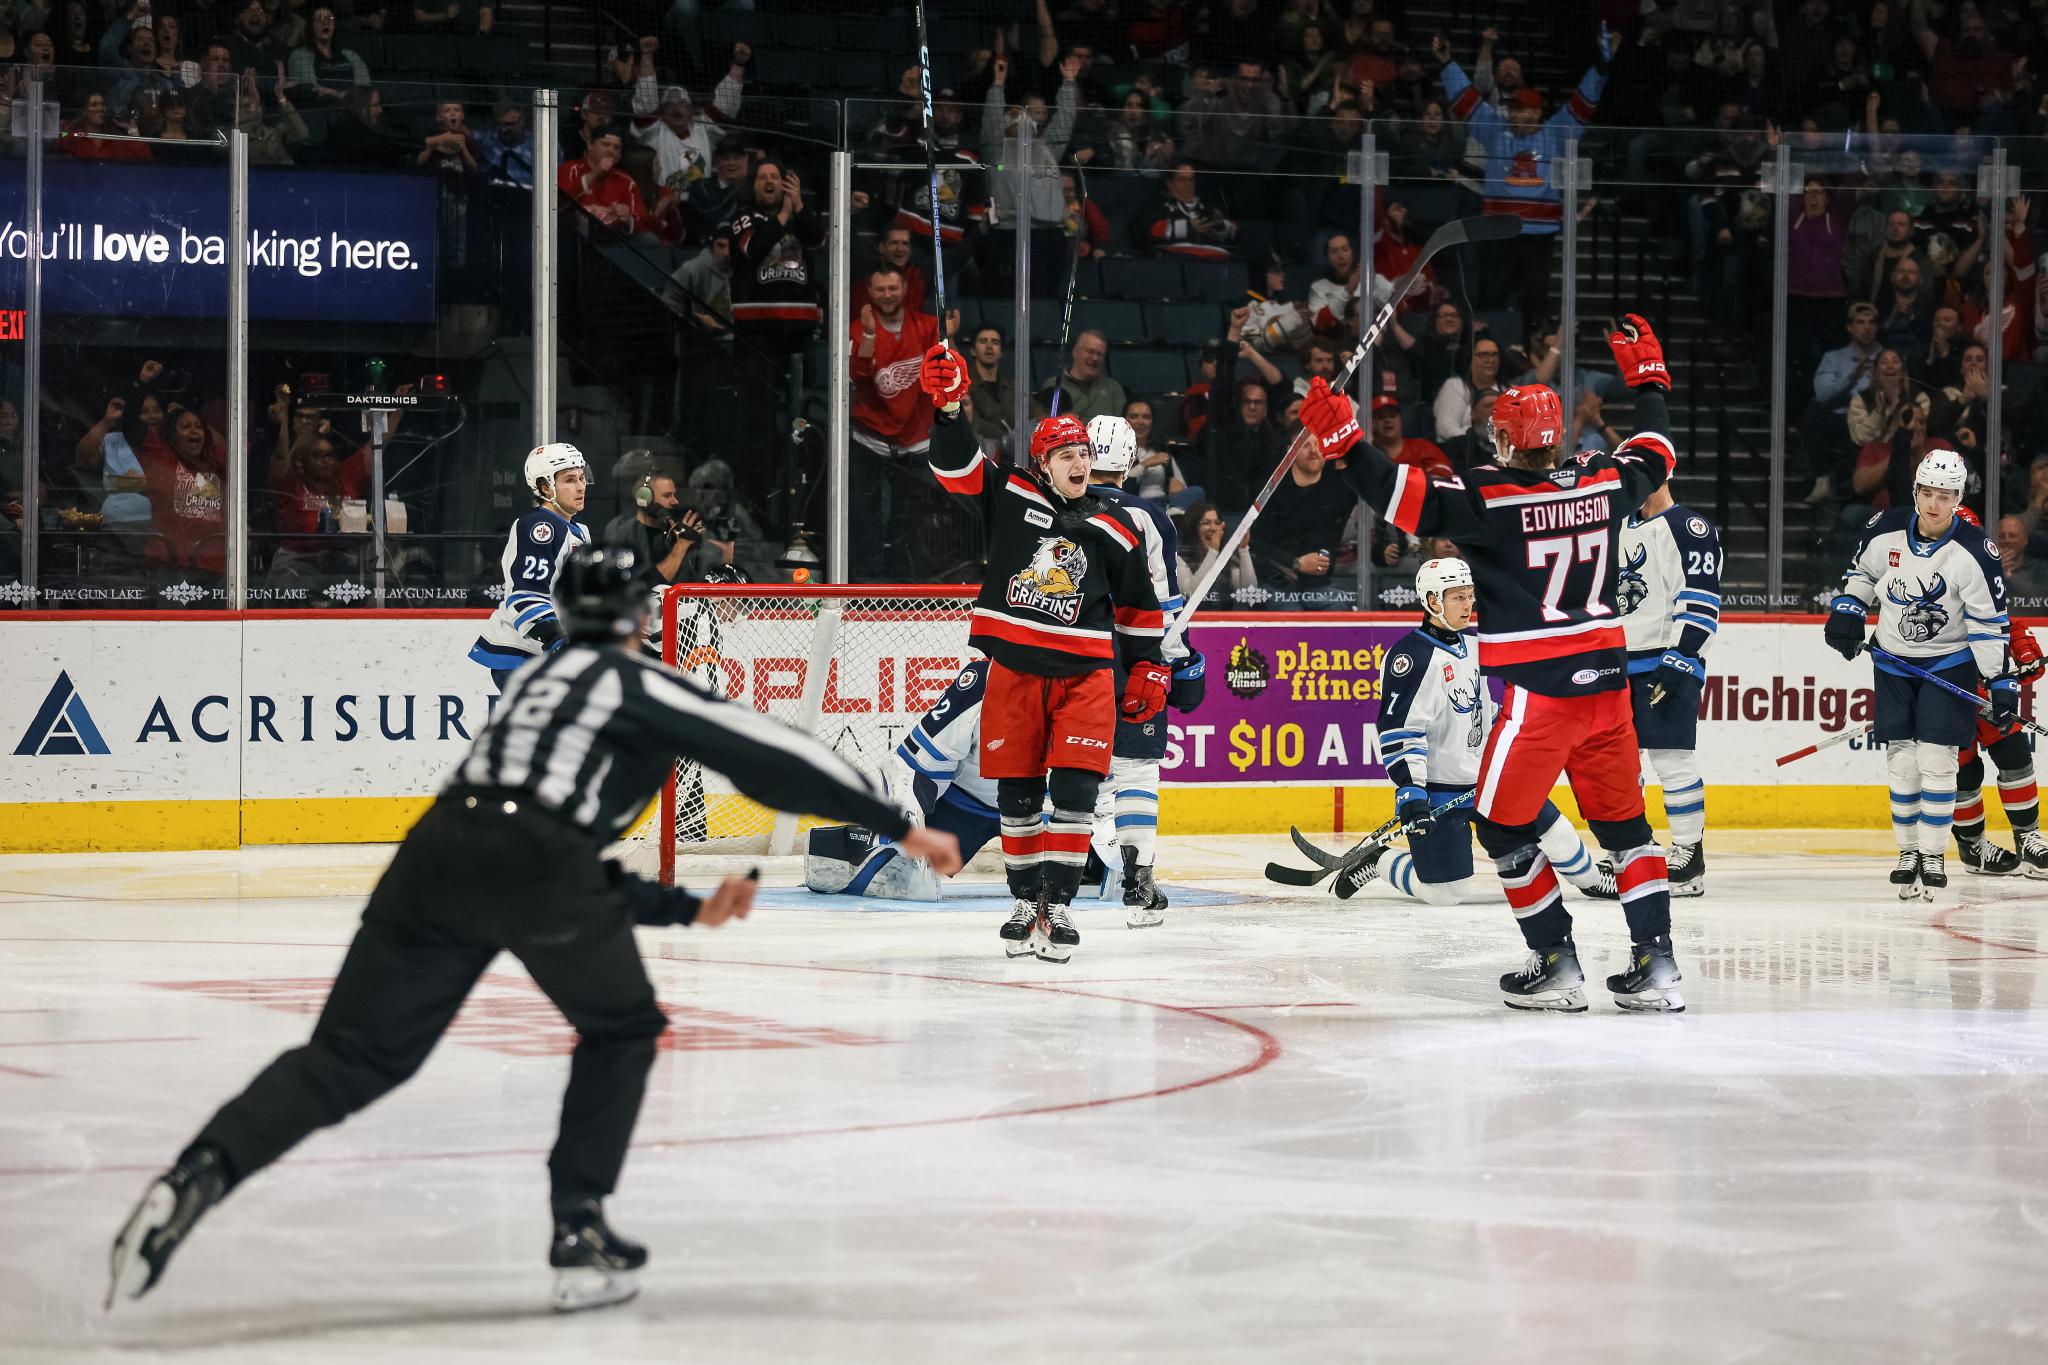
column 1067, row 599
column 1434, row 715
column 939, row 777
column 1940, row 591
column 1539, row 535
column 507, row 860
column 1140, row 745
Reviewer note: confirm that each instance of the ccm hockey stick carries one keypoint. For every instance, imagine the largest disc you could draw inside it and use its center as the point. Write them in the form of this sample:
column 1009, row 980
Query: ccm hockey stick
column 931, row 166
column 1331, row 863
column 1059, row 389
column 1458, row 232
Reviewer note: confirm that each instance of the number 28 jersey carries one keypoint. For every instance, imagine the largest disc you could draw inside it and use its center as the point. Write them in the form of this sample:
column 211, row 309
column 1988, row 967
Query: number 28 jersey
column 1542, row 546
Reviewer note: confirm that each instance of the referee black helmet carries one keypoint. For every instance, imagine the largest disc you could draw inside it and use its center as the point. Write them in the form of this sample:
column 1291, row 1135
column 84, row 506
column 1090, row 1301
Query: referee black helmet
column 598, row 594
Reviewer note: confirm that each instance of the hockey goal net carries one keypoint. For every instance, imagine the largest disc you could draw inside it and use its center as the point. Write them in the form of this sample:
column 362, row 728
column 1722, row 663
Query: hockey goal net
column 854, row 666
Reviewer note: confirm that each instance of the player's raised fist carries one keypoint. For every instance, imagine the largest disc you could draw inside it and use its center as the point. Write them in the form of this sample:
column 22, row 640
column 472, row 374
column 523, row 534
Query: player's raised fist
column 943, row 377
column 1331, row 418
column 1638, row 353
column 1145, row 690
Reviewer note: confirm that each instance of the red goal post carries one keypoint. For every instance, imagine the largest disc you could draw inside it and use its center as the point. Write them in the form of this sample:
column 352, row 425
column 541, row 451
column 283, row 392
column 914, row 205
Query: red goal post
column 853, row 665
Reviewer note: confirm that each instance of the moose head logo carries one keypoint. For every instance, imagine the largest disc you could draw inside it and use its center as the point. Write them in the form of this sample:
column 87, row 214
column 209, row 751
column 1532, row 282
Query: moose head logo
column 1921, row 616
column 1629, row 588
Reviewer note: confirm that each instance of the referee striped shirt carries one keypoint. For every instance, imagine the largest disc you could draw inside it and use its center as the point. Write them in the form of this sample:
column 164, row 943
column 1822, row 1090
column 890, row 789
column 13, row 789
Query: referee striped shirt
column 592, row 733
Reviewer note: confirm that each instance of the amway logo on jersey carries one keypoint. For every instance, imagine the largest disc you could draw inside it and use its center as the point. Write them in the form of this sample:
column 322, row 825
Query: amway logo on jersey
column 62, row 727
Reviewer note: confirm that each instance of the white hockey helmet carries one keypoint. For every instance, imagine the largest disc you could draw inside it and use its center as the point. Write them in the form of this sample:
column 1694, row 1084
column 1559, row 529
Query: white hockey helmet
column 1112, row 445
column 1439, row 576
column 1942, row 469
column 544, row 462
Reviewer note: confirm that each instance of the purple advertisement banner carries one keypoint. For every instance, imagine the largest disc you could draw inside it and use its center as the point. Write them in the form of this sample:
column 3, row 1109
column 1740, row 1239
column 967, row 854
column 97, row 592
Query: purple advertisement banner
column 1287, row 701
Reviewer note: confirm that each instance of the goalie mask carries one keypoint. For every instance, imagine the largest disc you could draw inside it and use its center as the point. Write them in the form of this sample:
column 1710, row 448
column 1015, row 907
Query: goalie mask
column 1435, row 578
column 1112, row 444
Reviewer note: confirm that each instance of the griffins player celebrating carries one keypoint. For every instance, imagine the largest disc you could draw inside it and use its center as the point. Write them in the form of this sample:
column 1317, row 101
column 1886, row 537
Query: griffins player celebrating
column 1540, row 538
column 1068, row 598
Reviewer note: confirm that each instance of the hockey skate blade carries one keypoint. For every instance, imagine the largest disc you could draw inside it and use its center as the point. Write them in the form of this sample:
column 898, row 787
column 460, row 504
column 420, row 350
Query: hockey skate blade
column 1143, row 917
column 1021, row 947
column 1681, row 891
column 129, row 1278
column 1571, row 1001
column 583, row 1287
column 1048, row 951
column 1651, row 1002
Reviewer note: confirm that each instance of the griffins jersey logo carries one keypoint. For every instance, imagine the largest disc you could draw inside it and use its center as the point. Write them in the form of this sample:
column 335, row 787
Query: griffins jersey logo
column 1051, row 582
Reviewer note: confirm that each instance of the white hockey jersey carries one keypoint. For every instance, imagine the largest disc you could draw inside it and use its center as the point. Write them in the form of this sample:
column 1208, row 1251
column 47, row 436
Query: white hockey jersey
column 524, row 624
column 1434, row 709
column 1162, row 557
column 1668, row 586
column 942, row 750
column 1937, row 602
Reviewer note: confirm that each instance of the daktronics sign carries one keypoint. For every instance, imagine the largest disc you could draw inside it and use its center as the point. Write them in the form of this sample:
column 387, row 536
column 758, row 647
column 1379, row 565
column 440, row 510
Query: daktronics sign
column 151, row 241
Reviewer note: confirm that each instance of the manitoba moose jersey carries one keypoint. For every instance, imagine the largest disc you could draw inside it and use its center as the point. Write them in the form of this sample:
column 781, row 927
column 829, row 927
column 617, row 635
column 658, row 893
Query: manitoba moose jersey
column 1433, row 709
column 1937, row 602
column 1669, row 590
column 1068, row 591
column 1162, row 554
column 1541, row 544
column 941, row 752
column 524, row 623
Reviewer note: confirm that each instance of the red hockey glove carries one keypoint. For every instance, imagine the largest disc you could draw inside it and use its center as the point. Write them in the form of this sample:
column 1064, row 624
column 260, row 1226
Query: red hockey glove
column 1332, row 418
column 1145, row 690
column 2026, row 654
column 944, row 377
column 1638, row 353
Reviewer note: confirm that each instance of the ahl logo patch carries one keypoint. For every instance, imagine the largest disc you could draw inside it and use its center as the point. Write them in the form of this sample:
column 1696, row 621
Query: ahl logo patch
column 62, row 726
column 1585, row 676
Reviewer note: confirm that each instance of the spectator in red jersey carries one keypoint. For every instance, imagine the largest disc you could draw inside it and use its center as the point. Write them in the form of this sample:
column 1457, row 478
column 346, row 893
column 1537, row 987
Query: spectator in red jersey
column 608, row 193
column 1970, row 80
column 892, row 425
column 1379, row 62
column 1386, row 434
column 894, row 252
column 316, row 480
column 87, row 137
column 188, row 488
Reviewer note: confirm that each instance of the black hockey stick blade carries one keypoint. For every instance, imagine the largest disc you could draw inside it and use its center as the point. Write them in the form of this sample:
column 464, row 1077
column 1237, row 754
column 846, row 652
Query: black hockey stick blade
column 1486, row 227
column 1312, row 852
column 1296, row 876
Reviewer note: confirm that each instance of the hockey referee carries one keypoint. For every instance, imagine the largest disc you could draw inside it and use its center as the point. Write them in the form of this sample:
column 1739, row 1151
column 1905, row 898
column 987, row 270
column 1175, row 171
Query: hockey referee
column 508, row 859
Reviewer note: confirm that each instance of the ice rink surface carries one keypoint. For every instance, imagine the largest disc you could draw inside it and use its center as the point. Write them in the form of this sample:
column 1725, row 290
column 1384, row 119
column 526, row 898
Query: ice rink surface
column 1275, row 1130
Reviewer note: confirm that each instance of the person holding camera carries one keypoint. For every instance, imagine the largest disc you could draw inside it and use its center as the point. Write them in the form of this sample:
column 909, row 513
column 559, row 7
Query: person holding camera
column 662, row 534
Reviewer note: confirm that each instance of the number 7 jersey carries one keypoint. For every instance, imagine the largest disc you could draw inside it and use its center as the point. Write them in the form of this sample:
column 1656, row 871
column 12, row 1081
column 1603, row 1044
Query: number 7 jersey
column 1542, row 546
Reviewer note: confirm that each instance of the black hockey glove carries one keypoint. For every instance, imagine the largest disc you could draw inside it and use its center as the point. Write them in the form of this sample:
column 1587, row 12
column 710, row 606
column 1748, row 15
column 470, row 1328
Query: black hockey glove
column 2005, row 701
column 1844, row 630
column 1675, row 672
column 1411, row 804
column 650, row 902
column 1190, row 683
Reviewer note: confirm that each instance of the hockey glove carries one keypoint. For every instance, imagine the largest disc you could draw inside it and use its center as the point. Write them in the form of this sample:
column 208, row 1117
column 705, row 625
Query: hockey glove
column 1145, row 690
column 1675, row 672
column 1332, row 418
column 943, row 377
column 1844, row 630
column 1638, row 354
column 2027, row 663
column 2005, row 702
column 1411, row 804
column 1190, row 683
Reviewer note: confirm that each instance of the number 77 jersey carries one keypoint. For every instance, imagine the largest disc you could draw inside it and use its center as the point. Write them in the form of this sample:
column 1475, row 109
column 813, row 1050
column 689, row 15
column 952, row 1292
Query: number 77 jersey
column 1542, row 546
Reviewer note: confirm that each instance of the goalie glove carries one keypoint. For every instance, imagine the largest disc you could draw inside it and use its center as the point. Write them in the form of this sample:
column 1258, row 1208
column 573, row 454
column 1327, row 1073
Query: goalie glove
column 943, row 377
column 1145, row 690
column 1638, row 354
column 1332, row 419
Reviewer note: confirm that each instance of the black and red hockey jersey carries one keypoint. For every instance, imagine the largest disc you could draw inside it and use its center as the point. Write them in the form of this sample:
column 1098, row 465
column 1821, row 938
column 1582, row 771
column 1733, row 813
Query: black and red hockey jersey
column 771, row 269
column 1068, row 589
column 1543, row 549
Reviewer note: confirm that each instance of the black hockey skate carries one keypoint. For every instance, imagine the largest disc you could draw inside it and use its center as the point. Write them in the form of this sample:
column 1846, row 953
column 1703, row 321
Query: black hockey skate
column 1650, row 985
column 1549, row 980
column 1020, row 930
column 1933, row 875
column 1057, row 936
column 1358, row 872
column 1906, row 876
column 594, row 1266
column 2033, row 853
column 167, row 1213
column 1142, row 896
column 1603, row 887
column 1985, row 859
column 1687, row 870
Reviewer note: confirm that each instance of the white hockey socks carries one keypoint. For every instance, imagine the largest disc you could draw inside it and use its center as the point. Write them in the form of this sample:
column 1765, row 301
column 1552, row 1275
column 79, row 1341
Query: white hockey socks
column 1937, row 794
column 1566, row 852
column 1401, row 875
column 1135, row 784
column 1902, row 764
column 1685, row 793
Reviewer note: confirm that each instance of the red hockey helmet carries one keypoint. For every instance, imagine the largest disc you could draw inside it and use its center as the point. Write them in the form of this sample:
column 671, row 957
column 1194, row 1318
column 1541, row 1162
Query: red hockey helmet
column 1054, row 432
column 1967, row 515
column 1528, row 418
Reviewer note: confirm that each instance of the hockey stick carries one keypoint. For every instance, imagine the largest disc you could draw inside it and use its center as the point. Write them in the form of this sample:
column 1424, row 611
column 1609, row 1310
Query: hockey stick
column 1073, row 275
column 1458, row 232
column 1983, row 706
column 1349, row 883
column 931, row 169
column 1329, row 863
column 1830, row 742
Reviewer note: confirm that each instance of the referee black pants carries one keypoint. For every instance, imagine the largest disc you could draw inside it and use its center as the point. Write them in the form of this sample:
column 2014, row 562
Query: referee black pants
column 470, row 881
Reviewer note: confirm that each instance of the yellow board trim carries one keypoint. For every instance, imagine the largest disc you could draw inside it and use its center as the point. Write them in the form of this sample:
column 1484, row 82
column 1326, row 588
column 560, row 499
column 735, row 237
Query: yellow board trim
column 143, row 826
